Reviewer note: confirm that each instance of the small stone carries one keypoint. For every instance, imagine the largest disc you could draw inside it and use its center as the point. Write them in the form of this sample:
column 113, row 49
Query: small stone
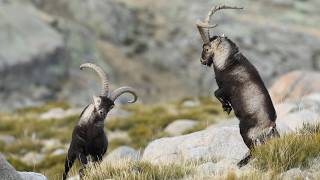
column 32, row 158
column 50, row 144
column 190, row 103
column 59, row 113
column 118, row 135
column 32, row 176
column 7, row 139
column 58, row 152
column 123, row 153
column 294, row 173
column 118, row 113
column 179, row 126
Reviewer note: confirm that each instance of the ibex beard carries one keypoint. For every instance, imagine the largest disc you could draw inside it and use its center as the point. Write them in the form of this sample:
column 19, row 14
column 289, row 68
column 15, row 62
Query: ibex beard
column 240, row 88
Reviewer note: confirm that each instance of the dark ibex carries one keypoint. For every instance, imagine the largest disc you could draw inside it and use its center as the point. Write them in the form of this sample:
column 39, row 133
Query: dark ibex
column 240, row 86
column 88, row 136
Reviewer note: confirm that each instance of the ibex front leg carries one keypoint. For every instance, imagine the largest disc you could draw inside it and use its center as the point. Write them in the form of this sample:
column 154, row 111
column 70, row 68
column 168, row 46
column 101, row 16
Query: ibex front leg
column 219, row 93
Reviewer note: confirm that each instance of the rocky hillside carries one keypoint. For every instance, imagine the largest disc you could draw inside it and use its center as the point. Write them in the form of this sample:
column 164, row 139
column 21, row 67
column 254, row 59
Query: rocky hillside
column 152, row 46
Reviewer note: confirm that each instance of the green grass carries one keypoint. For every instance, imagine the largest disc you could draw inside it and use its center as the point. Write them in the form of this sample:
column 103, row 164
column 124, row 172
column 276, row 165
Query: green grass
column 148, row 122
column 137, row 170
column 290, row 151
column 145, row 123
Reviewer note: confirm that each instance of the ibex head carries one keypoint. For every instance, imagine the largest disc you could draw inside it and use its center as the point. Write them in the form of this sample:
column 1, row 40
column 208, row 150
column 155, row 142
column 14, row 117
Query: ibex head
column 216, row 48
column 105, row 102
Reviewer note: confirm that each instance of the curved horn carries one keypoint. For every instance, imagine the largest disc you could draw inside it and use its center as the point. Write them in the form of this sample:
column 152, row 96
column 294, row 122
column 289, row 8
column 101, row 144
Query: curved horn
column 205, row 24
column 203, row 35
column 118, row 92
column 102, row 75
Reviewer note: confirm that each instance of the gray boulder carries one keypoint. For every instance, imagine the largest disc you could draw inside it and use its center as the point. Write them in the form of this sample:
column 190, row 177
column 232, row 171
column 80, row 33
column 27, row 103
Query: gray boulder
column 223, row 143
column 7, row 172
column 31, row 56
column 296, row 120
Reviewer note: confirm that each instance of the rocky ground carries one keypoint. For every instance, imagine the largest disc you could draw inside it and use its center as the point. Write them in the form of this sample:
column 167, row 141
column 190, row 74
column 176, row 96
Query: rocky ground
column 152, row 46
column 184, row 139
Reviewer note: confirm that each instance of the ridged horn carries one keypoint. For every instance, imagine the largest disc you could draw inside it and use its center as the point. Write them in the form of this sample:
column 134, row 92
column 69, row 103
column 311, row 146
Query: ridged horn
column 118, row 92
column 206, row 23
column 204, row 36
column 101, row 74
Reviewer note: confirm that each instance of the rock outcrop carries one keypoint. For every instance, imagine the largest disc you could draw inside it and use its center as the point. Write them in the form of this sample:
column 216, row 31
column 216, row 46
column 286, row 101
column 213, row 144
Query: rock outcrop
column 32, row 57
column 223, row 143
column 295, row 85
column 7, row 172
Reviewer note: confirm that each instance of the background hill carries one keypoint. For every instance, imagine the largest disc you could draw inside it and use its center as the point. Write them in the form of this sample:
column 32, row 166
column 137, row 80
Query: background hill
column 152, row 46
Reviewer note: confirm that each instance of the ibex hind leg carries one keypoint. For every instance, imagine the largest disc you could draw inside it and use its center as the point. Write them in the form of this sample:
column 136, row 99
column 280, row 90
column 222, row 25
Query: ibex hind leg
column 249, row 142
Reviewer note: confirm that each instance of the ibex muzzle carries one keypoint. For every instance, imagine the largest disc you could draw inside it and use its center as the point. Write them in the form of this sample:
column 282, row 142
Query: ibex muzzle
column 207, row 53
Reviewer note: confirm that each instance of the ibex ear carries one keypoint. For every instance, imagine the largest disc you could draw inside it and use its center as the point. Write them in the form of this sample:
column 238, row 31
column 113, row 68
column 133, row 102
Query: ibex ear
column 96, row 101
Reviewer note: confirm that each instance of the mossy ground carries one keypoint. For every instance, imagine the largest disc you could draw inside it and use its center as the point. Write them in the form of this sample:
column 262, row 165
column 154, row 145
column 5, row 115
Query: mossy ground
column 145, row 123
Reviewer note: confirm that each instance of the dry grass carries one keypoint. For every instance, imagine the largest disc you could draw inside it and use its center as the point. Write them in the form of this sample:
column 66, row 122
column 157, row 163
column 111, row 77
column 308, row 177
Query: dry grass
column 137, row 170
column 290, row 151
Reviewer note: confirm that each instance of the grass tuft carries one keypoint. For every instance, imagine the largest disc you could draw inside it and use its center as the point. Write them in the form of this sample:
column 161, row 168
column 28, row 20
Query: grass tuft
column 138, row 170
column 290, row 151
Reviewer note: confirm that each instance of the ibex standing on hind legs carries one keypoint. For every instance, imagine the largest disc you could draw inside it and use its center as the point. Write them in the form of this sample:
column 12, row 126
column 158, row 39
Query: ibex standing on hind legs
column 88, row 136
column 240, row 86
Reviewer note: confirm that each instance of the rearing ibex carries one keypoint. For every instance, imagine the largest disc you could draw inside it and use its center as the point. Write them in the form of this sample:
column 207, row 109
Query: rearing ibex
column 88, row 136
column 240, row 86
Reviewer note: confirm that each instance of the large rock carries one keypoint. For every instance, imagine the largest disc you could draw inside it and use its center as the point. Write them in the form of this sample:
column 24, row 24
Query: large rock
column 296, row 120
column 7, row 172
column 223, row 143
column 32, row 57
column 295, row 85
column 179, row 126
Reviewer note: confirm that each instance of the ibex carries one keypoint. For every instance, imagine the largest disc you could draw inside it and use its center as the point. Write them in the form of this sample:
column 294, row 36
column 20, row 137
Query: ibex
column 240, row 86
column 88, row 136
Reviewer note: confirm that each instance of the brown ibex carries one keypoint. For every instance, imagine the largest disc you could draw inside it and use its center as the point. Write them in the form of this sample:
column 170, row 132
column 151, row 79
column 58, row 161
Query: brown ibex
column 240, row 86
column 88, row 136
